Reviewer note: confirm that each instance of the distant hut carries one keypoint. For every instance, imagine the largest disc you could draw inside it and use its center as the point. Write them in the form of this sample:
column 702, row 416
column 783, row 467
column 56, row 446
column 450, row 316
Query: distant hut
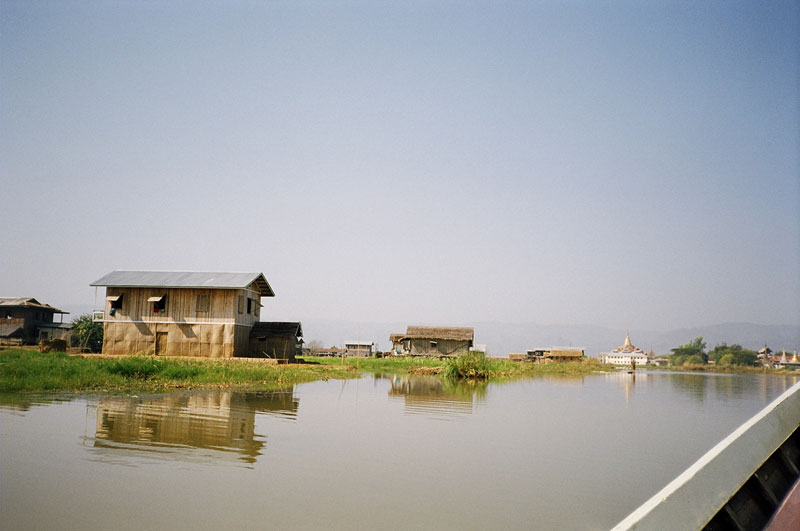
column 555, row 354
column 362, row 349
column 282, row 341
column 181, row 313
column 434, row 341
column 26, row 321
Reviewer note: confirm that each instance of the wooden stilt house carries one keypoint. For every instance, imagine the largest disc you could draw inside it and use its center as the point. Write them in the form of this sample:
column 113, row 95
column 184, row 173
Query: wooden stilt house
column 26, row 321
column 435, row 341
column 181, row 313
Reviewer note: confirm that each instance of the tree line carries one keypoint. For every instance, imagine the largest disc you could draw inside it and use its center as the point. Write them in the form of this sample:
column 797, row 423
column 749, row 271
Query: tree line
column 694, row 353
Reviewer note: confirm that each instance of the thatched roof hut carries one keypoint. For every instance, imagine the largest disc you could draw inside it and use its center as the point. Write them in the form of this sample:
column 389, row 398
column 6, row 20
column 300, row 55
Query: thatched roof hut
column 433, row 341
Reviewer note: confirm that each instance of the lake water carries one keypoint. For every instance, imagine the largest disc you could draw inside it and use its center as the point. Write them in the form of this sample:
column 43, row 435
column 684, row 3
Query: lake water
column 381, row 452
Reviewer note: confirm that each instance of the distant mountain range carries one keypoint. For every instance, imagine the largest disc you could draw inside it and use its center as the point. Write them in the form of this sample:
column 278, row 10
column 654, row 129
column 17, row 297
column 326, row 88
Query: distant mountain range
column 503, row 338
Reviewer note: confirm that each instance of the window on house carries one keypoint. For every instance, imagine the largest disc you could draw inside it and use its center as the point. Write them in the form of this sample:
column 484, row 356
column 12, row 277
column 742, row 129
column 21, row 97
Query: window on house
column 249, row 305
column 434, row 344
column 115, row 303
column 240, row 305
column 201, row 305
column 159, row 303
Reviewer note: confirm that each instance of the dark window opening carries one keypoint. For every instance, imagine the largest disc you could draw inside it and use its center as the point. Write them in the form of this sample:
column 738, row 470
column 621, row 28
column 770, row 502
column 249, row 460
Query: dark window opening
column 115, row 303
column 159, row 303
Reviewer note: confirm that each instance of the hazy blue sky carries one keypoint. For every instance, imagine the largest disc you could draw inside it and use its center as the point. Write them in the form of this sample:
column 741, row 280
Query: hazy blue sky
column 624, row 164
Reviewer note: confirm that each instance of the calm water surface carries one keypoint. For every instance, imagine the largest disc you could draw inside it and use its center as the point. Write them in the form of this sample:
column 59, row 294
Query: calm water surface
column 382, row 452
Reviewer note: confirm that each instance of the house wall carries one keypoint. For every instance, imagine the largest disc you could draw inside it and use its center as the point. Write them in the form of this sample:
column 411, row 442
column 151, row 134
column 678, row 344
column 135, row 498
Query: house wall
column 282, row 348
column 443, row 347
column 220, row 331
column 30, row 317
column 359, row 350
column 55, row 333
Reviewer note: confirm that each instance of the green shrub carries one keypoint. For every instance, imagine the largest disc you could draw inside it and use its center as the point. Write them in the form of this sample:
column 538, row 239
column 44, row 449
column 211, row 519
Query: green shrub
column 87, row 334
column 472, row 365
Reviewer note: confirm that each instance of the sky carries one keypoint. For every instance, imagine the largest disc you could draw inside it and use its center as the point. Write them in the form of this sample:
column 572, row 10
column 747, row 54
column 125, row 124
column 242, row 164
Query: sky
column 623, row 164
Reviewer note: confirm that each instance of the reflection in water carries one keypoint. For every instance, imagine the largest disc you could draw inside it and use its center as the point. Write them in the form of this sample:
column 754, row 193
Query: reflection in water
column 431, row 395
column 24, row 402
column 221, row 422
column 626, row 380
column 702, row 386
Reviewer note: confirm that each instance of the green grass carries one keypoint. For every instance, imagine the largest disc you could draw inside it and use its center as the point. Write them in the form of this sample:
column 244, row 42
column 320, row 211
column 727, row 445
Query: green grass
column 392, row 364
column 473, row 365
column 27, row 370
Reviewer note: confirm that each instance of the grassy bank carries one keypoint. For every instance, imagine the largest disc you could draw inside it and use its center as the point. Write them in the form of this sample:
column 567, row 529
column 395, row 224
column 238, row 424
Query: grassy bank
column 26, row 370
column 722, row 369
column 473, row 366
column 388, row 365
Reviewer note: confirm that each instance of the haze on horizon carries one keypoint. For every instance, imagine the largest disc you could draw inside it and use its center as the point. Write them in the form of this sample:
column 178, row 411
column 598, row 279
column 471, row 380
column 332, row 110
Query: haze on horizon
column 629, row 165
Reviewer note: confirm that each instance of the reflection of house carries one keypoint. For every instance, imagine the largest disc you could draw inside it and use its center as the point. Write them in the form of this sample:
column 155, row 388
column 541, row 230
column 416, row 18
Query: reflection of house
column 625, row 354
column 222, row 421
column 358, row 348
column 428, row 394
column 433, row 341
column 27, row 321
column 181, row 313
column 555, row 354
column 281, row 341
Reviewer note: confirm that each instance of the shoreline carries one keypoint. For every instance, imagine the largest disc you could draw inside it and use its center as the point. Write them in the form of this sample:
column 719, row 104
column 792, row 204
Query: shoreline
column 28, row 371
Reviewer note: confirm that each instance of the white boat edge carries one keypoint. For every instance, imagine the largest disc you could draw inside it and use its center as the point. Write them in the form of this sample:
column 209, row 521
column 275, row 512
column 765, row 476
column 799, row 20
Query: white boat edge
column 692, row 499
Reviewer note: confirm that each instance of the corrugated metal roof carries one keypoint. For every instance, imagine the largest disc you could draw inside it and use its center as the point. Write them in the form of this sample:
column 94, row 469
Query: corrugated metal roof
column 276, row 329
column 11, row 330
column 27, row 302
column 184, row 279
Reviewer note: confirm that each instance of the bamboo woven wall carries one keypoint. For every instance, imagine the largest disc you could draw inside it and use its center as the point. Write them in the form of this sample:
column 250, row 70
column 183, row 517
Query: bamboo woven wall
column 221, row 331
column 181, row 305
column 444, row 347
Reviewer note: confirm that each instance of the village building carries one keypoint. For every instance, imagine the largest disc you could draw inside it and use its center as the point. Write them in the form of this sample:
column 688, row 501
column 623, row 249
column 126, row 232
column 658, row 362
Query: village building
column 335, row 352
column 277, row 340
column 764, row 355
column 625, row 354
column 26, row 321
column 362, row 349
column 434, row 341
column 784, row 361
column 555, row 354
column 181, row 313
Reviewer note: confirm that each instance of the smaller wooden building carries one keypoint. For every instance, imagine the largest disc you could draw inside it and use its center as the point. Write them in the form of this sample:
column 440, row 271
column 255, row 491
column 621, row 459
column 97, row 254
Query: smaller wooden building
column 335, row 352
column 277, row 340
column 433, row 341
column 26, row 321
column 362, row 349
column 555, row 354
